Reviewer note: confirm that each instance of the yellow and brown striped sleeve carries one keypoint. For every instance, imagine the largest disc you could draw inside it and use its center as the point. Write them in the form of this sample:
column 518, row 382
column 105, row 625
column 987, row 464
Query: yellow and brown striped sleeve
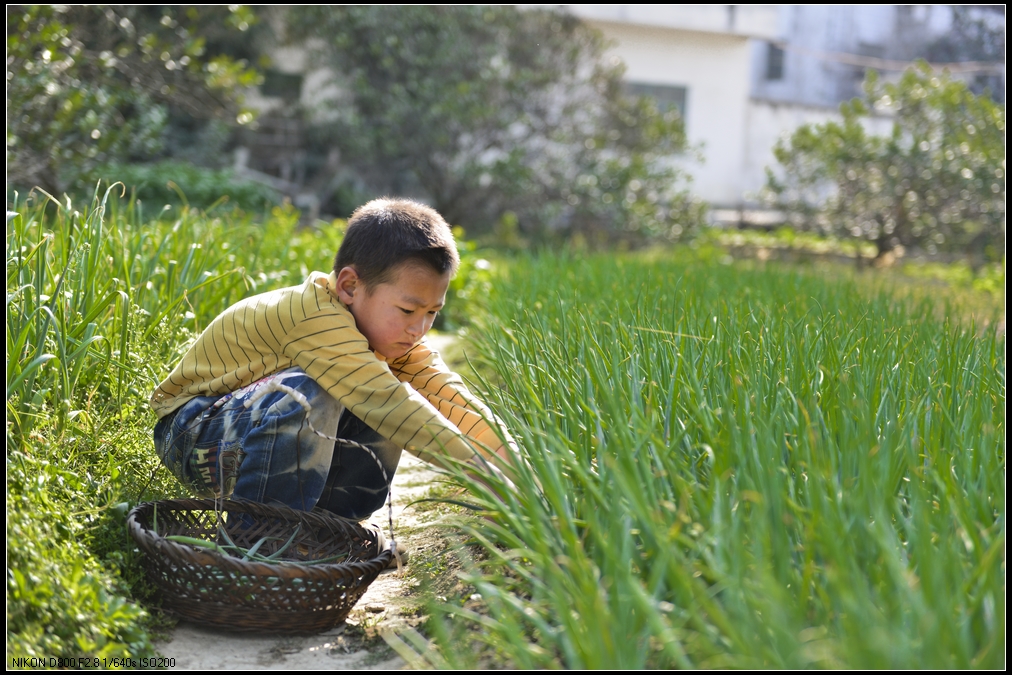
column 241, row 345
column 335, row 354
column 426, row 372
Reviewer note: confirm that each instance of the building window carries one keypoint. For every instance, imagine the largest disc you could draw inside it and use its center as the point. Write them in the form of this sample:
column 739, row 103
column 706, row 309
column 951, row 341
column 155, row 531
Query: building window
column 666, row 96
column 281, row 85
column 774, row 62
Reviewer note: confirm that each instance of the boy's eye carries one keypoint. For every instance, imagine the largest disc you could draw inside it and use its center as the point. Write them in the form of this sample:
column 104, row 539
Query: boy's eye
column 406, row 311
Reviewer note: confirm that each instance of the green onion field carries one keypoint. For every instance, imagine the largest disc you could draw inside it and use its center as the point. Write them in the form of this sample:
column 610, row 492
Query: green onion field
column 740, row 467
column 728, row 464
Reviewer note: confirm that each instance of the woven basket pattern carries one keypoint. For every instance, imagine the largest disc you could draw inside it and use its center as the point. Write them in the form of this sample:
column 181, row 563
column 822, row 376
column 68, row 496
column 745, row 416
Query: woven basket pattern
column 283, row 596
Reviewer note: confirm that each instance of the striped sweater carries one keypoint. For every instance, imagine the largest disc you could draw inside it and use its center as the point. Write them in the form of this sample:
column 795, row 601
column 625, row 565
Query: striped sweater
column 414, row 400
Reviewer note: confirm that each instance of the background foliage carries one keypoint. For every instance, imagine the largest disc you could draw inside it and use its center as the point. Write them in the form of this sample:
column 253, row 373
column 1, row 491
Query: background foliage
column 499, row 116
column 937, row 182
column 178, row 183
column 94, row 84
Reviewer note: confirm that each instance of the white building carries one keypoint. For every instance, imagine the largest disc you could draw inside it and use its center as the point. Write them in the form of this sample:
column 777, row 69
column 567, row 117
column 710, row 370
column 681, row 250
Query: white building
column 746, row 75
column 818, row 50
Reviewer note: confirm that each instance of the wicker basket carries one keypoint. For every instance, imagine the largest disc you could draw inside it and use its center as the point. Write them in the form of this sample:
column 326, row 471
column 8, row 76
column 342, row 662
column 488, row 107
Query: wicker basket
column 282, row 597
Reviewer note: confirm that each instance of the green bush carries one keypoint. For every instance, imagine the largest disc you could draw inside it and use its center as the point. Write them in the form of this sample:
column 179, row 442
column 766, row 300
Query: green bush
column 936, row 182
column 96, row 84
column 178, row 183
column 489, row 111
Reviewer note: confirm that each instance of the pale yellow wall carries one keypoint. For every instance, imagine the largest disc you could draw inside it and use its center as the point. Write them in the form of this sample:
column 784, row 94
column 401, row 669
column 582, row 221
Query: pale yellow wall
column 759, row 21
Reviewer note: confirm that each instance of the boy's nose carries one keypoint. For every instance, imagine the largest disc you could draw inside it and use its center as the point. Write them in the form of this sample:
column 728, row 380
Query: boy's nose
column 416, row 328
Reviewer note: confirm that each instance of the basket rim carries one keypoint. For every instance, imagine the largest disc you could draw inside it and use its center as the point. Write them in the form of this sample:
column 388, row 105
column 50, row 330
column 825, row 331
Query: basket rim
column 157, row 544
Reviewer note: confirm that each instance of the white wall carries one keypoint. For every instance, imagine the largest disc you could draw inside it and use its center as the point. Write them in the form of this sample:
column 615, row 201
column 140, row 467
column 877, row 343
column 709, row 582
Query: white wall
column 715, row 70
column 769, row 121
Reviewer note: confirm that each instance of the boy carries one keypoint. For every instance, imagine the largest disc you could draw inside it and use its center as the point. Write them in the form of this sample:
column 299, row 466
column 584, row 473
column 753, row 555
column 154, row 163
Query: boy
column 351, row 344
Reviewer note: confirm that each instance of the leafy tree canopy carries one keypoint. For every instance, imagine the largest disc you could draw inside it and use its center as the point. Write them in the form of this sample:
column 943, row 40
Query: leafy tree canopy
column 936, row 182
column 499, row 116
column 93, row 84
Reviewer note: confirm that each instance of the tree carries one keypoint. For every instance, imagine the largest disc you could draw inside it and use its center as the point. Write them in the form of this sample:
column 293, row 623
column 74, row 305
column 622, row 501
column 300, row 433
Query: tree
column 88, row 85
column 936, row 182
column 498, row 115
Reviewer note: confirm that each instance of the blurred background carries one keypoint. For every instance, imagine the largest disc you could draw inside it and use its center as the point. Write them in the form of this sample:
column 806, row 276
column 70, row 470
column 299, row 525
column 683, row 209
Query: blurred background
column 602, row 124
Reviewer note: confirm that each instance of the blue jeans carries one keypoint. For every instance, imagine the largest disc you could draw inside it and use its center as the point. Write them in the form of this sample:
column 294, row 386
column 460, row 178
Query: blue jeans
column 218, row 447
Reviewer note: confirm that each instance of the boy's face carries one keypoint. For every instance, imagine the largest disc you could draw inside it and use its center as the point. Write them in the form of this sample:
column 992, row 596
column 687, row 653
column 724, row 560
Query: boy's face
column 394, row 315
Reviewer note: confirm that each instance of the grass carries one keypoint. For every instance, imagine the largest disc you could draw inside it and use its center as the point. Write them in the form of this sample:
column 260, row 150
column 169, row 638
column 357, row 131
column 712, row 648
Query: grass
column 738, row 466
column 101, row 300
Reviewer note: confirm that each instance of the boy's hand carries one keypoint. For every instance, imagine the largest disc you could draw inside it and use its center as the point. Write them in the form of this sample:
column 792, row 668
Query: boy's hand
column 485, row 467
column 507, row 456
column 505, row 453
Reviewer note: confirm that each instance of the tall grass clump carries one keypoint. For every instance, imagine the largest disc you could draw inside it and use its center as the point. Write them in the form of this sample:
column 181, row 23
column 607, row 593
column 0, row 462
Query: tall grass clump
column 737, row 467
column 101, row 301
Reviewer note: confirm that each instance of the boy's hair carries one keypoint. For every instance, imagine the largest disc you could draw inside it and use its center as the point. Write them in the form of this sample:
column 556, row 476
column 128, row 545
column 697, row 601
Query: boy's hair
column 386, row 233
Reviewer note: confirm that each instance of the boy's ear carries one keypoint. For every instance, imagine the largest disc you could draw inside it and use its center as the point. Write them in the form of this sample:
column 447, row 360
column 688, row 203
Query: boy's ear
column 348, row 284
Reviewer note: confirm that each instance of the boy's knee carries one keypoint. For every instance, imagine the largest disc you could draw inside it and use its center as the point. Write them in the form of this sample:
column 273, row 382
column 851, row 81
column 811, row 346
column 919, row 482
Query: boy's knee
column 292, row 390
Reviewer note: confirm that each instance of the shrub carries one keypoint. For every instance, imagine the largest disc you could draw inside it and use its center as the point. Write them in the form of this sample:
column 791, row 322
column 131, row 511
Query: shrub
column 177, row 183
column 937, row 182
column 493, row 112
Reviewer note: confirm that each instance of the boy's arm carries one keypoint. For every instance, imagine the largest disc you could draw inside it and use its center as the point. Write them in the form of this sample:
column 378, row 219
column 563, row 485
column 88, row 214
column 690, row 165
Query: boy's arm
column 331, row 350
column 428, row 374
